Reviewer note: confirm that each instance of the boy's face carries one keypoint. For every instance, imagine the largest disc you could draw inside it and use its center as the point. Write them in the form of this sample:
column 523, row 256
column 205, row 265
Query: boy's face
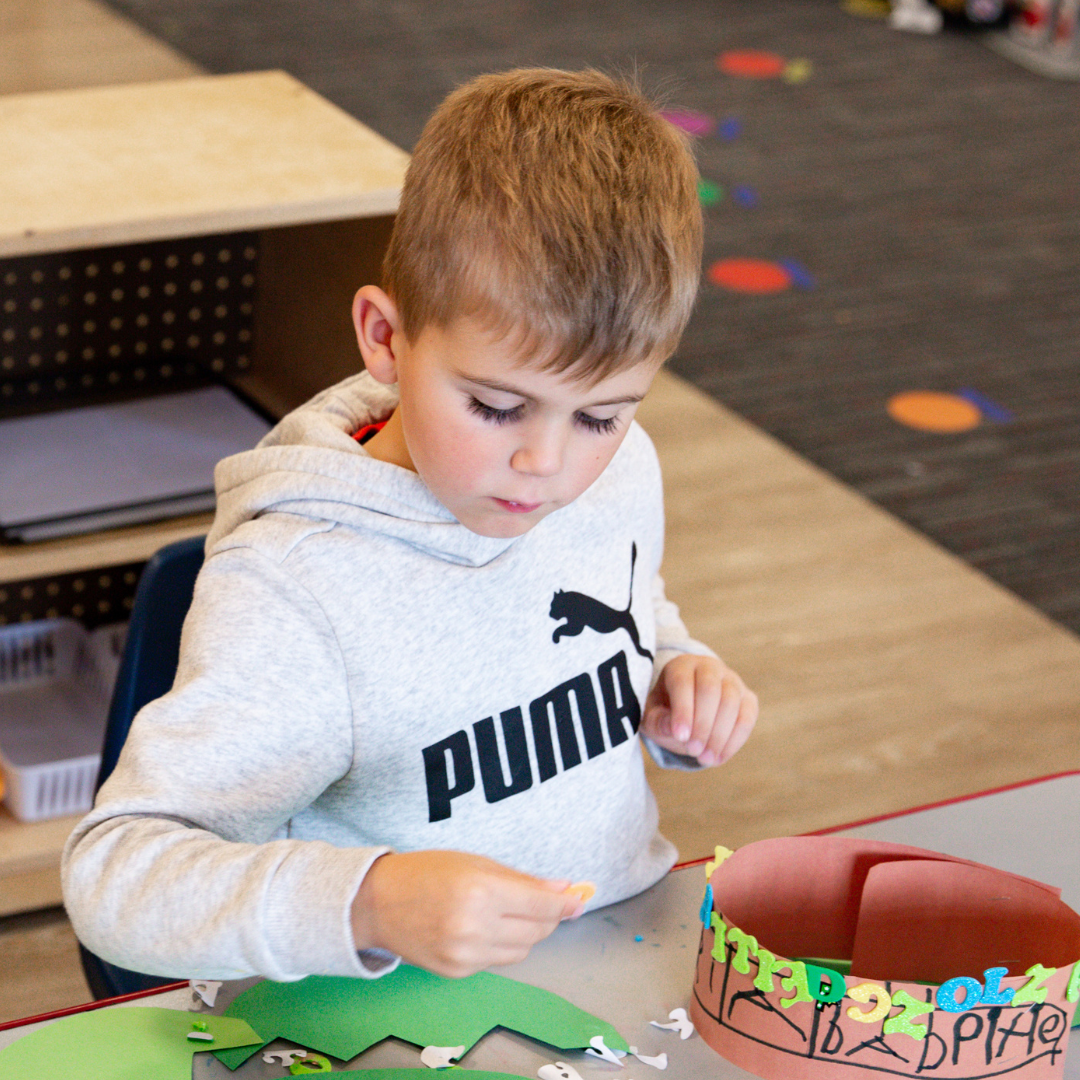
column 501, row 444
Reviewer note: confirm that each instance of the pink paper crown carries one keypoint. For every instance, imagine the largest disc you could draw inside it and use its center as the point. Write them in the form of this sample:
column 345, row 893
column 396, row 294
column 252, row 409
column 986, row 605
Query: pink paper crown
column 956, row 969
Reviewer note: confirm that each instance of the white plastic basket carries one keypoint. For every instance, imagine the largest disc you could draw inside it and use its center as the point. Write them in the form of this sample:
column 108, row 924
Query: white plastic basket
column 55, row 683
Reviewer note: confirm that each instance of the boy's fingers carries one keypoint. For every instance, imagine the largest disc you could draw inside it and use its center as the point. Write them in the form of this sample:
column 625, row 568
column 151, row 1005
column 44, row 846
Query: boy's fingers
column 657, row 721
column 708, row 700
column 748, row 714
column 540, row 901
column 656, row 716
column 680, row 689
column 555, row 885
column 726, row 717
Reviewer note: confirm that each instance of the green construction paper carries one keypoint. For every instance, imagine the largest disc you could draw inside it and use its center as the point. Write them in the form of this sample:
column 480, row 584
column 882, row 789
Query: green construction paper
column 342, row 1017
column 426, row 1074
column 132, row 1043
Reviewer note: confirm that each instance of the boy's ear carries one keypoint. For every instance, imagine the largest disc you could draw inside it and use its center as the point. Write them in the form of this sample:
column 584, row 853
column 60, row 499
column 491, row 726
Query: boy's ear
column 375, row 317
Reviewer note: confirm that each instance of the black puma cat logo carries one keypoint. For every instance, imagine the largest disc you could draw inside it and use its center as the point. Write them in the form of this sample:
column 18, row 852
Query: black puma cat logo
column 581, row 611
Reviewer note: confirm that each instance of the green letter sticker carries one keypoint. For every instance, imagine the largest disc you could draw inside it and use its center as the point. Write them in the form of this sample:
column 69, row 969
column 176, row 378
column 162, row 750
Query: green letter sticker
column 901, row 1024
column 795, row 981
column 816, row 977
column 1072, row 991
column 766, row 966
column 1031, row 991
column 310, row 1063
column 719, row 952
column 745, row 945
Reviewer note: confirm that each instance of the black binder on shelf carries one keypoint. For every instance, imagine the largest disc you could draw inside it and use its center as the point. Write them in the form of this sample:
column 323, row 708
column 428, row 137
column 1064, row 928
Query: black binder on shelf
column 78, row 470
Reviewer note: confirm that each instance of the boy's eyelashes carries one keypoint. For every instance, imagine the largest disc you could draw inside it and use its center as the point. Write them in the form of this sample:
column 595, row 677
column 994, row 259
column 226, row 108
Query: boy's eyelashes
column 495, row 416
column 594, row 423
column 505, row 416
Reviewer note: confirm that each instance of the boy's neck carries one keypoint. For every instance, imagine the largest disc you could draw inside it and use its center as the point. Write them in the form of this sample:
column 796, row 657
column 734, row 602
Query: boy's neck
column 389, row 444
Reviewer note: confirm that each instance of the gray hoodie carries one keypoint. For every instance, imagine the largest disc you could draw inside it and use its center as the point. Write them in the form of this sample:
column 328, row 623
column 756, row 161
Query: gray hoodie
column 361, row 673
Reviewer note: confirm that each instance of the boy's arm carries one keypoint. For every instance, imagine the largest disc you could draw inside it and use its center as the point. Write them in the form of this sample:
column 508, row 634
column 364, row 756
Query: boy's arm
column 455, row 913
column 672, row 637
column 699, row 712
column 180, row 869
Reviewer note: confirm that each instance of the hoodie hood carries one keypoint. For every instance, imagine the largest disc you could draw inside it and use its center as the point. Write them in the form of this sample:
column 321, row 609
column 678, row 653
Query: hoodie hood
column 310, row 466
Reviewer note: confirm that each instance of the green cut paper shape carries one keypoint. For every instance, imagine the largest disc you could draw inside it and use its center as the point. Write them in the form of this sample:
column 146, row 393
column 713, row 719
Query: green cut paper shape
column 420, row 1074
column 342, row 1017
column 130, row 1043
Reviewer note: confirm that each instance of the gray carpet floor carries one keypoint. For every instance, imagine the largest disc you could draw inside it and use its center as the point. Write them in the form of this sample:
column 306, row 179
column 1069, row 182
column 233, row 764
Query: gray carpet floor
column 924, row 191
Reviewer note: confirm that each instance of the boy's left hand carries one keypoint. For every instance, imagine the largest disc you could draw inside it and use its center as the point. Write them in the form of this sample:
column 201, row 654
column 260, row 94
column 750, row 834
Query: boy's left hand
column 699, row 707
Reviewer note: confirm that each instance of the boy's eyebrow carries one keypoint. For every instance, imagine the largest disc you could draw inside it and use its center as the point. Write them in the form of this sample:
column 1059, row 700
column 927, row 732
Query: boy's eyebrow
column 506, row 388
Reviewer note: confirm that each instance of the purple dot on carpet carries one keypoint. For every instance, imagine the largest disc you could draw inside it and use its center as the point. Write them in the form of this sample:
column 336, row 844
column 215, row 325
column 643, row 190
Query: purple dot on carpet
column 800, row 276
column 693, row 123
column 991, row 410
column 730, row 128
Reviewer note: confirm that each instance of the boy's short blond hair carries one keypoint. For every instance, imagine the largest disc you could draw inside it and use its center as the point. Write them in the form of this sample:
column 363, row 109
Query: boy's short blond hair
column 556, row 207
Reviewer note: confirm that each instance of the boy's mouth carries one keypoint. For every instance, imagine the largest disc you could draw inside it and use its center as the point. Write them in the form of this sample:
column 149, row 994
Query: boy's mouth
column 518, row 507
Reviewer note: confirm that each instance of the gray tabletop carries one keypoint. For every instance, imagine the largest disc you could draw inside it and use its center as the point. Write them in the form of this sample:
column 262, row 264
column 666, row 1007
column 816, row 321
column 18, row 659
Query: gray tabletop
column 599, row 964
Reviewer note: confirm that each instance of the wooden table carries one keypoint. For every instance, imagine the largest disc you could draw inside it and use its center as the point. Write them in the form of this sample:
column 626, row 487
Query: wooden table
column 600, row 965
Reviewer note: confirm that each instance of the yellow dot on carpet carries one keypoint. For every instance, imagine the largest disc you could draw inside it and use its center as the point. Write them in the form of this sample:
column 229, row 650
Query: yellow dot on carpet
column 869, row 9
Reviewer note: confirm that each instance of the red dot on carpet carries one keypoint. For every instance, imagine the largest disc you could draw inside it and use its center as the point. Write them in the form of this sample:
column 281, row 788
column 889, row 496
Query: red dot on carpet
column 750, row 276
column 751, row 64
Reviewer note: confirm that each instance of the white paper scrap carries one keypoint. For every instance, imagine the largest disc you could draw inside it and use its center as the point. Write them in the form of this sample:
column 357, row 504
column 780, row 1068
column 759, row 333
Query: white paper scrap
column 680, row 1023
column 559, row 1071
column 206, row 990
column 440, row 1057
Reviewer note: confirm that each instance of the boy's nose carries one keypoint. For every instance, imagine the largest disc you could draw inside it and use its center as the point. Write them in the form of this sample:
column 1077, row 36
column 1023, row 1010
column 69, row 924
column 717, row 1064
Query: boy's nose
column 538, row 455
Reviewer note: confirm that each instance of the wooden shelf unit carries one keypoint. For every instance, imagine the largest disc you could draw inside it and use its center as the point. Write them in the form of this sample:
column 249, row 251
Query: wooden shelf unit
column 95, row 170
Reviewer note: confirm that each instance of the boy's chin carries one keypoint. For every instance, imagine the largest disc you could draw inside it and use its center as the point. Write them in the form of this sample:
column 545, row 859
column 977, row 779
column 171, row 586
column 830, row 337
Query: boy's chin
column 504, row 526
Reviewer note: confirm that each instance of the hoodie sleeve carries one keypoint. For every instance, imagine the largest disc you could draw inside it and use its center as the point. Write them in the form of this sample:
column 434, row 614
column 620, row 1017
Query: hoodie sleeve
column 183, row 868
column 672, row 639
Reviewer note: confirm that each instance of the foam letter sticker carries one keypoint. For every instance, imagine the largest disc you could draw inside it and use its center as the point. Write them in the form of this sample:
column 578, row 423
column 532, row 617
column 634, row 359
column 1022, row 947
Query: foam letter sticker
column 901, row 1024
column 766, row 961
column 864, row 992
column 796, row 981
column 1031, row 991
column 1072, row 991
column 719, row 950
column 993, row 994
column 310, row 1063
column 947, row 991
column 720, row 853
column 745, row 946
column 706, row 906
column 816, row 980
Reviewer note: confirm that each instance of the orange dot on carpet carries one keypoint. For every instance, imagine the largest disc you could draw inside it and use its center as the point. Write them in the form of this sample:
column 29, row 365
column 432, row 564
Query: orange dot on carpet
column 750, row 276
column 930, row 410
column 751, row 64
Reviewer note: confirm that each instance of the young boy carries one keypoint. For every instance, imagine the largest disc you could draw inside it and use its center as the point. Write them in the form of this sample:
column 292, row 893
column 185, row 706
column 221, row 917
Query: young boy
column 420, row 651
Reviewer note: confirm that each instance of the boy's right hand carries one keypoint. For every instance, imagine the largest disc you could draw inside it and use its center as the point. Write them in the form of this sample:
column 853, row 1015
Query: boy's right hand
column 454, row 913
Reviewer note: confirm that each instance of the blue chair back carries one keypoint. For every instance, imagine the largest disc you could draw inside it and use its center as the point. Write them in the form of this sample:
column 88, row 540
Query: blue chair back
column 147, row 669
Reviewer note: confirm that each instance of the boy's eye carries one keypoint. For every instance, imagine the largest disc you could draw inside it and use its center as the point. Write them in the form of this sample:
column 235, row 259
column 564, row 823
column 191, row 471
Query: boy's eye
column 506, row 416
column 594, row 423
column 493, row 415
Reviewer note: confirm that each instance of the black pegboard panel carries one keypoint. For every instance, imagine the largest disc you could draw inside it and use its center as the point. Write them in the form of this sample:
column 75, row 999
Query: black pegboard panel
column 81, row 323
column 93, row 597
